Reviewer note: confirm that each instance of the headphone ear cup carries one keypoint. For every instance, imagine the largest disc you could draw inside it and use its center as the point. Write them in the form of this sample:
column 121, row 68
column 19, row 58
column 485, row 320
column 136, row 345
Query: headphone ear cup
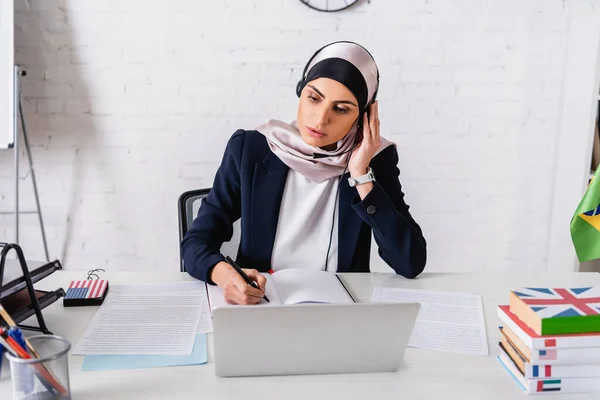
column 376, row 90
column 359, row 127
column 299, row 87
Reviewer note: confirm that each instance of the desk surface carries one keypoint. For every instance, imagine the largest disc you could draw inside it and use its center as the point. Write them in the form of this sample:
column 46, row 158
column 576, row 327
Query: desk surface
column 425, row 374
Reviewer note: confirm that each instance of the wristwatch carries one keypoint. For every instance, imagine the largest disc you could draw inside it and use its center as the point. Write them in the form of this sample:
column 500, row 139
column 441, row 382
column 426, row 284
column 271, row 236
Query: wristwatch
column 359, row 180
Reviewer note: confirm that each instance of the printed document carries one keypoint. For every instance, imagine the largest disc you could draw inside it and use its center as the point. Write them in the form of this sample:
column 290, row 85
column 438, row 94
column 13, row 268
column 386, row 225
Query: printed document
column 447, row 321
column 140, row 319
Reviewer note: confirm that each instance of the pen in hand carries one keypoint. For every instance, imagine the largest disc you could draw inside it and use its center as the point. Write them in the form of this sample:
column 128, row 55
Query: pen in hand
column 244, row 276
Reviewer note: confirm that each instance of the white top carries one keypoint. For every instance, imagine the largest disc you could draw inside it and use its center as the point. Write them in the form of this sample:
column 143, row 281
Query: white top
column 304, row 226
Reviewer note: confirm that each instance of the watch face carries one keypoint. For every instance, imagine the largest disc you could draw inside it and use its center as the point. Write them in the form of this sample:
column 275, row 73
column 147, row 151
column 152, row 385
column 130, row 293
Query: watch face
column 329, row 5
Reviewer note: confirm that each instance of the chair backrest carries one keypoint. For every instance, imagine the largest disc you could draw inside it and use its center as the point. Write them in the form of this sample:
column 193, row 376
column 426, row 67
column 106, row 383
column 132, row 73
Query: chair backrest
column 188, row 205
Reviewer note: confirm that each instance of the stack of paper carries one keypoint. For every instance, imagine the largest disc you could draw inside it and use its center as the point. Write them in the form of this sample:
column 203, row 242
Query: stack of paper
column 148, row 325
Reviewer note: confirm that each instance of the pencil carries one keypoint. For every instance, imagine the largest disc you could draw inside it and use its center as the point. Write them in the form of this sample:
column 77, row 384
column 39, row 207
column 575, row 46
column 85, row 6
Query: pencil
column 12, row 324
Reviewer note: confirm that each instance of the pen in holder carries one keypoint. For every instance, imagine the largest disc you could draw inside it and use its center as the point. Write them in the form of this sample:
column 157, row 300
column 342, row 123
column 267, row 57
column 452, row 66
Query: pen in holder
column 43, row 377
column 25, row 385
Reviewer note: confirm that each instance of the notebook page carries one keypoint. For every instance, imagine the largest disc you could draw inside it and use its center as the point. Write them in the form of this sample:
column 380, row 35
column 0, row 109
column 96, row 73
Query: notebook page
column 216, row 299
column 309, row 286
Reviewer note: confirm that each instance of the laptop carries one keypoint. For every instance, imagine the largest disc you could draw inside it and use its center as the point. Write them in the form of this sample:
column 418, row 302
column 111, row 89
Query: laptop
column 311, row 338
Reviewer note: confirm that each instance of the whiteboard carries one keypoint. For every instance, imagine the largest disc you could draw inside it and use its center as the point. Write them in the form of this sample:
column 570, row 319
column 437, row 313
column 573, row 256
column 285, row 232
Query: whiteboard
column 6, row 72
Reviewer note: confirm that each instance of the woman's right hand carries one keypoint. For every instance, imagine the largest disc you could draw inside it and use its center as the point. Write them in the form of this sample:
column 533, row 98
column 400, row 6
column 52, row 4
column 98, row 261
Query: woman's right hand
column 235, row 288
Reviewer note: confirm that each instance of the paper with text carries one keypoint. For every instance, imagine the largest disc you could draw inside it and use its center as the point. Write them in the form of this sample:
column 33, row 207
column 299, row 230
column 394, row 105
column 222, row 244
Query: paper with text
column 205, row 325
column 146, row 319
column 447, row 321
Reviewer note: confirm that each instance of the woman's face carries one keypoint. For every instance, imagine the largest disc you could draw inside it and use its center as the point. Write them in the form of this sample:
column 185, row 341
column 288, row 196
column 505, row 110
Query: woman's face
column 326, row 112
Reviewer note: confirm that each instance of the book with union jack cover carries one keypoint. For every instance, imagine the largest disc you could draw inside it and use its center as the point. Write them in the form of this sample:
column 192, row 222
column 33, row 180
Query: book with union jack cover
column 88, row 292
column 556, row 311
column 539, row 342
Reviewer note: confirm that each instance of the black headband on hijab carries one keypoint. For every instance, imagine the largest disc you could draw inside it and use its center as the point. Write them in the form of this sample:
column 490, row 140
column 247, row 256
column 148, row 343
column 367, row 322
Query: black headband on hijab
column 344, row 72
column 348, row 63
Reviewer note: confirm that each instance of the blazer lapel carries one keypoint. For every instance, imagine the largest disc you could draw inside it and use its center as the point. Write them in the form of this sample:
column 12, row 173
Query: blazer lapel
column 268, row 184
column 348, row 225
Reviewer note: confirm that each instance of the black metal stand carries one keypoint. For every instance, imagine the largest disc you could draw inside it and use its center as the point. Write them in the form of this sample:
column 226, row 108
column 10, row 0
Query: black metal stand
column 6, row 247
column 18, row 115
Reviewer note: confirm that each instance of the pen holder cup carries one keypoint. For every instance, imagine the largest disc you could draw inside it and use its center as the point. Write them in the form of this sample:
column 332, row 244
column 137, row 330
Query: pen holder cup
column 46, row 377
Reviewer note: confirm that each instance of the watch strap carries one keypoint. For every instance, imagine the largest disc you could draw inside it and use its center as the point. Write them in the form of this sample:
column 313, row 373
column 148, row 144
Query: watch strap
column 359, row 180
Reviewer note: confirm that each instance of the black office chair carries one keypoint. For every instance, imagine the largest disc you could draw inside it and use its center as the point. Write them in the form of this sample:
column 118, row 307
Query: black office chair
column 188, row 205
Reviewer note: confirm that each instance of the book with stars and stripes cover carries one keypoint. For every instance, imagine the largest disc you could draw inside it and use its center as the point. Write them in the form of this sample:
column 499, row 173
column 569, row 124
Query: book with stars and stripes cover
column 557, row 311
column 88, row 292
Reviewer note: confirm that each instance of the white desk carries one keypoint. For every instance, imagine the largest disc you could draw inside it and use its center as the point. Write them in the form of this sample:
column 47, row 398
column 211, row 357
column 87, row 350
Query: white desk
column 425, row 374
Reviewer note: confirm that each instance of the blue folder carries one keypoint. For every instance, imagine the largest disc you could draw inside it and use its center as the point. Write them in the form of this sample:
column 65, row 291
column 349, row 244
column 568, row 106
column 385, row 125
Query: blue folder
column 104, row 362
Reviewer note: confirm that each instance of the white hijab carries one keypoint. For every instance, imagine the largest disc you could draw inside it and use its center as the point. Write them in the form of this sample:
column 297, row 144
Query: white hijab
column 286, row 142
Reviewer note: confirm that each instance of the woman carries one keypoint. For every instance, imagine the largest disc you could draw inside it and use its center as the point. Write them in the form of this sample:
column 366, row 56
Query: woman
column 309, row 193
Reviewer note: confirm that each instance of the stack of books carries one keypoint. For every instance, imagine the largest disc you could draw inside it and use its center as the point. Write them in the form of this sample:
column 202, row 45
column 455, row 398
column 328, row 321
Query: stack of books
column 550, row 339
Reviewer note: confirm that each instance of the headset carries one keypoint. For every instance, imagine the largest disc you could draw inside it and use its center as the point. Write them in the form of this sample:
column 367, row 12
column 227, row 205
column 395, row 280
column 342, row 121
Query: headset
column 357, row 140
column 302, row 82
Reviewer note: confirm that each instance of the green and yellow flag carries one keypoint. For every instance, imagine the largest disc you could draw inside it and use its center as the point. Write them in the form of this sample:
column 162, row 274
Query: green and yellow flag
column 585, row 224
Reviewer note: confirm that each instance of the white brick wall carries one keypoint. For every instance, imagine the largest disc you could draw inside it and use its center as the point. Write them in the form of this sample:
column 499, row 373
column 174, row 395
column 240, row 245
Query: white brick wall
column 129, row 103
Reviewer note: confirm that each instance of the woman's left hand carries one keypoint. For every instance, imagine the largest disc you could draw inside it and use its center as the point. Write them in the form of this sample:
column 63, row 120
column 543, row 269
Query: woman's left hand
column 362, row 155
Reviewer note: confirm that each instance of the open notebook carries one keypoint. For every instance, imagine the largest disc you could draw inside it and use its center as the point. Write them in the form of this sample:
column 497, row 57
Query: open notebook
column 294, row 286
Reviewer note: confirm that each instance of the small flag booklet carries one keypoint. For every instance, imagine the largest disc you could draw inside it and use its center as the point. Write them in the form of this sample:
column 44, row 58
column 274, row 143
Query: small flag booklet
column 89, row 292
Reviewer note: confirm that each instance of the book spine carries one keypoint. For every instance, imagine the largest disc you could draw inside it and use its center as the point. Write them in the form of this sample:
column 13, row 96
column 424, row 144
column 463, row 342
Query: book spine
column 554, row 356
column 562, row 371
column 563, row 385
column 582, row 341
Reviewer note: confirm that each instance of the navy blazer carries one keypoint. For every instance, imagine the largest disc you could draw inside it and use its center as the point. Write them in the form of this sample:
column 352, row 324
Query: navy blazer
column 249, row 185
